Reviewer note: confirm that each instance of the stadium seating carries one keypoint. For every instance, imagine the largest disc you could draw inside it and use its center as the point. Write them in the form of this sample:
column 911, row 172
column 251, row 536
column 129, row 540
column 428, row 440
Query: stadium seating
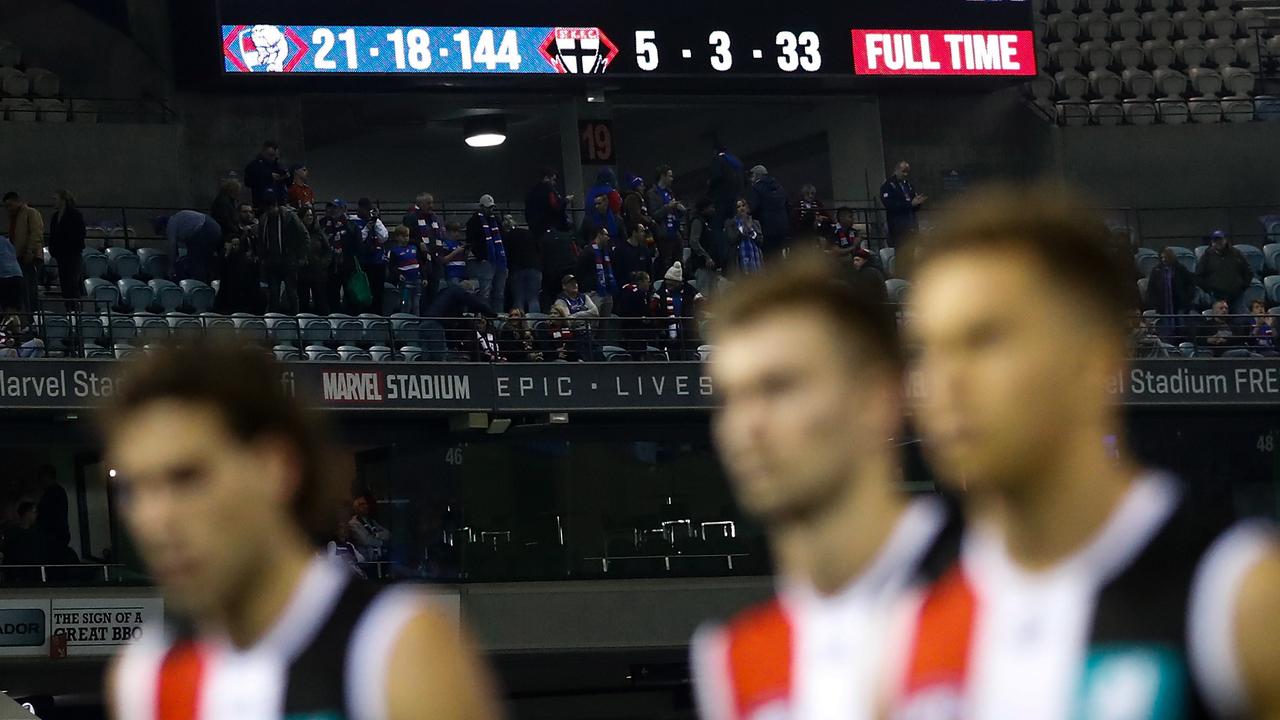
column 184, row 327
column 320, row 353
column 314, row 329
column 169, row 297
column 1271, row 287
column 154, row 263
column 286, row 353
column 346, row 329
column 382, row 353
column 218, row 326
column 1186, row 257
column 1255, row 291
column 376, row 329
column 283, row 329
column 1145, row 259
column 406, row 328
column 101, row 292
column 135, row 294
column 888, row 257
column 152, row 328
column 1271, row 254
column 95, row 263
column 1256, row 259
column 250, row 328
column 352, row 353
column 197, row 295
column 897, row 290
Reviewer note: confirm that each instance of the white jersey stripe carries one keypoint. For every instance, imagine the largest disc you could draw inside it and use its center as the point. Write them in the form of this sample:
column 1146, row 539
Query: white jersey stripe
column 709, row 659
column 373, row 640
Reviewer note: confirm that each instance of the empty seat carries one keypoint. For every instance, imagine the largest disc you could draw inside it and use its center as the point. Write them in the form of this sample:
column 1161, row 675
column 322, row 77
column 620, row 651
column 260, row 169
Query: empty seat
column 1062, row 25
column 154, row 263
column 1140, row 83
column 1189, row 23
column 1097, row 54
column 1255, row 291
column 1222, row 51
column 124, row 351
column 1247, row 52
column 346, row 329
column 1096, row 24
column 1172, row 111
column 1105, row 84
column 1205, row 110
column 123, row 262
column 125, row 235
column 1200, row 251
column 152, row 328
column 197, row 295
column 95, row 237
column 377, row 329
column 1221, row 23
column 184, row 327
column 1254, row 255
column 1206, row 81
column 1065, row 55
column 1191, row 52
column 1160, row 53
column 217, row 326
column 1127, row 24
column 1071, row 84
column 55, row 329
column 1073, row 113
column 382, row 353
column 406, row 328
column 169, row 297
column 351, row 353
column 1041, row 87
column 1238, row 81
column 286, row 353
column 50, row 110
column 95, row 263
column 250, row 327
column 1106, row 112
column 1271, row 253
column 889, row 258
column 320, row 353
column 897, row 289
column 1250, row 20
column 14, row 82
column 135, row 295
column 89, row 327
column 313, row 329
column 1128, row 53
column 1145, row 260
column 283, row 328
column 44, row 83
column 1170, row 83
column 1237, row 109
column 1158, row 24
column 1140, row 112
column 18, row 109
column 101, row 292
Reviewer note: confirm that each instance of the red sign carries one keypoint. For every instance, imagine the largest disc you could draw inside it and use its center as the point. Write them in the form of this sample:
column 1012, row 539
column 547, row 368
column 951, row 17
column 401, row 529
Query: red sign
column 944, row 52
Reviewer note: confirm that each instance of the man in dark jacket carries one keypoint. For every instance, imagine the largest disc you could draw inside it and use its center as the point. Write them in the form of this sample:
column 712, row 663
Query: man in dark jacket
column 1221, row 334
column 900, row 203
column 1223, row 272
column 427, row 231
column 225, row 207
column 264, row 174
column 725, row 185
column 524, row 256
column 867, row 277
column 344, row 238
column 1171, row 290
column 769, row 205
column 545, row 209
column 487, row 253
column 66, row 243
column 282, row 245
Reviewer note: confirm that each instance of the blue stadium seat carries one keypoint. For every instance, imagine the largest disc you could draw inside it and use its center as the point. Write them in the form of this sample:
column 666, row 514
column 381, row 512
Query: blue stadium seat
column 613, row 353
column 315, row 330
column 351, row 353
column 286, row 353
column 1271, row 253
column 90, row 328
column 1255, row 291
column 1145, row 259
column 888, row 257
column 412, row 353
column 250, row 327
column 102, row 293
column 217, row 327
column 98, row 354
column 1271, row 285
column 1255, row 257
column 169, row 297
column 320, row 353
column 154, row 263
column 382, row 353
column 95, row 263
column 56, row 329
column 123, row 262
column 152, row 328
column 1186, row 257
column 121, row 327
column 346, row 329
column 1142, row 288
column 197, row 295
column 135, row 294
column 1200, row 250
column 182, row 326
column 377, row 329
column 283, row 329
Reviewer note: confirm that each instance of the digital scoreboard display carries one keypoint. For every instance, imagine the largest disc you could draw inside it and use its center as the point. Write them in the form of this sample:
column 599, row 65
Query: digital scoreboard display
column 655, row 38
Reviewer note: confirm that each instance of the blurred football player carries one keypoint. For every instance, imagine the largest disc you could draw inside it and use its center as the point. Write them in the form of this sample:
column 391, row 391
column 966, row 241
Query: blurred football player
column 222, row 482
column 810, row 373
column 1087, row 586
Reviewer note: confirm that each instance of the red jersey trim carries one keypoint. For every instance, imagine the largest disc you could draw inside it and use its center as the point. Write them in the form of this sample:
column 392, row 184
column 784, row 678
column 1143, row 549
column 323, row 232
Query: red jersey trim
column 944, row 635
column 760, row 657
column 178, row 689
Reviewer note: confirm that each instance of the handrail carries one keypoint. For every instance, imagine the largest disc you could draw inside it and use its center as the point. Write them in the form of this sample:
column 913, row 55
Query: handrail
column 44, row 568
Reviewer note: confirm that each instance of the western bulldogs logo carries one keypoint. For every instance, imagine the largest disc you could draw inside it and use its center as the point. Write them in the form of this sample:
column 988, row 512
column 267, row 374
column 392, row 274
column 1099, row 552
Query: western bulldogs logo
column 263, row 48
column 578, row 51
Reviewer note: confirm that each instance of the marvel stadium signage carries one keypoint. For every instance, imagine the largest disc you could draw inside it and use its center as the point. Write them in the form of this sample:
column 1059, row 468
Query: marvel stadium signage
column 567, row 387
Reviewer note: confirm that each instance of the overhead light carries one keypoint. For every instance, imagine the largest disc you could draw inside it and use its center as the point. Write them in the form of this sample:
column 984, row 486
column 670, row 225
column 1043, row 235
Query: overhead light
column 112, row 472
column 483, row 131
column 595, row 96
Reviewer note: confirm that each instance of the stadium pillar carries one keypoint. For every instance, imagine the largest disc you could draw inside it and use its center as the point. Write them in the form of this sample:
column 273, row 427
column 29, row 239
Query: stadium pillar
column 570, row 156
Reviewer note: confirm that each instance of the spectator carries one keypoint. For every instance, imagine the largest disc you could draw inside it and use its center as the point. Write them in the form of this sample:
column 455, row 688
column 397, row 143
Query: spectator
column 373, row 250
column 1223, row 272
column 225, row 208
column 26, row 232
column 635, row 207
column 599, row 216
column 264, row 174
column 342, row 548
column 570, row 341
column 454, row 301
column 343, row 237
column 595, row 267
column 545, row 209
column 316, row 267
column 282, row 244
column 193, row 240
column 559, row 254
column 1221, row 334
column 405, row 258
column 573, row 304
column 845, row 239
column 725, row 185
column 1171, row 290
column 868, row 277
column 900, row 203
column 24, row 544
column 744, row 235
column 53, row 517
column 668, row 215
column 517, row 339
column 524, row 254
column 676, row 302
column 487, row 346
column 770, row 206
column 239, row 290
column 1263, row 339
column 10, row 282
column 633, row 307
column 370, row 538
column 706, row 251
column 453, row 256
column 66, row 243
column 427, row 231
column 634, row 254
column 487, row 253
column 300, row 192
column 811, row 219
column 606, row 185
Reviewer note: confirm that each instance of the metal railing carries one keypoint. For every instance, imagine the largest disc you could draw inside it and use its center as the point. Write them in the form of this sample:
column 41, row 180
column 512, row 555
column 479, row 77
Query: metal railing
column 1206, row 335
column 62, row 572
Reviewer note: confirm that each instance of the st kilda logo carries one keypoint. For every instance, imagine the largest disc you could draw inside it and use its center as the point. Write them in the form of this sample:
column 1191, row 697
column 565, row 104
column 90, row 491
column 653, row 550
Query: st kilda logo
column 578, row 51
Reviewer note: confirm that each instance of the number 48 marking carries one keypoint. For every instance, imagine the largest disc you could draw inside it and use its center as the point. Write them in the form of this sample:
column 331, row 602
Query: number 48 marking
column 1267, row 443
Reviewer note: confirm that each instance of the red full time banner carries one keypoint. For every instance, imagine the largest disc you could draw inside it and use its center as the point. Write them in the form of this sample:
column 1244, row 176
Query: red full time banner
column 944, row 52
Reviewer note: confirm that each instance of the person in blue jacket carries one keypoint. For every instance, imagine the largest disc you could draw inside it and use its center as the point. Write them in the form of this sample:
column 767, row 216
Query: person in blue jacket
column 900, row 203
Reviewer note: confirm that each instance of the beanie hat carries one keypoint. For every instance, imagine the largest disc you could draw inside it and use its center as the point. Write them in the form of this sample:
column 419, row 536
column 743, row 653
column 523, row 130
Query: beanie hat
column 675, row 273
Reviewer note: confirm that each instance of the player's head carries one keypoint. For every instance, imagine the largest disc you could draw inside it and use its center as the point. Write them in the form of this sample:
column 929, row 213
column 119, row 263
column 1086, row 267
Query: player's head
column 1022, row 317
column 809, row 371
column 216, row 466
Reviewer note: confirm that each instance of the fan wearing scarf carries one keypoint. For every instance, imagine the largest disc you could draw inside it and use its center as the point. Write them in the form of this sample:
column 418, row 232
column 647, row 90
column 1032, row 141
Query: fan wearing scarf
column 745, row 235
column 487, row 255
column 676, row 301
column 595, row 268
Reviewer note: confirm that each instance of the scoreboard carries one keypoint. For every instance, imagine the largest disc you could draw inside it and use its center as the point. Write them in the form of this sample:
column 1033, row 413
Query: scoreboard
column 643, row 38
